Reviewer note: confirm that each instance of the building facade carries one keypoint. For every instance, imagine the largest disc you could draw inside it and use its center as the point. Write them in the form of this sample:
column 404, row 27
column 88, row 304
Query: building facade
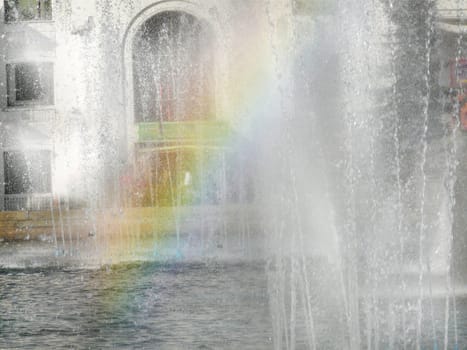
column 97, row 97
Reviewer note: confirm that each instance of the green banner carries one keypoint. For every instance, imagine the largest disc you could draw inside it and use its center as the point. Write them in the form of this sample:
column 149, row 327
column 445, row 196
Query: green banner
column 198, row 131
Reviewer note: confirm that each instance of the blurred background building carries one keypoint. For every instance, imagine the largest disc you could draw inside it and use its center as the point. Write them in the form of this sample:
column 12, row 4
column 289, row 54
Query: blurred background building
column 99, row 97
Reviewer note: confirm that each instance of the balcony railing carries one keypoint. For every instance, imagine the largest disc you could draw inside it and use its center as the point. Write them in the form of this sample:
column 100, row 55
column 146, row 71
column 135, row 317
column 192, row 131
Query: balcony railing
column 28, row 10
column 13, row 202
column 193, row 131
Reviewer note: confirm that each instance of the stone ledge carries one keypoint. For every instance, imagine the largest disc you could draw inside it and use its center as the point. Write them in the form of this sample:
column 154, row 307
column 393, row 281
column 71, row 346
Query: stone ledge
column 138, row 222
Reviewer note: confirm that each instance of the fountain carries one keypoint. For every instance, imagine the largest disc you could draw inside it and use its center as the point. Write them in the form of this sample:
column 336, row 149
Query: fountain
column 364, row 238
column 321, row 139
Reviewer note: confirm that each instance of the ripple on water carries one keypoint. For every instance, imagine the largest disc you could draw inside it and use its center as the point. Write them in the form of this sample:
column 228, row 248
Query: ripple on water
column 167, row 305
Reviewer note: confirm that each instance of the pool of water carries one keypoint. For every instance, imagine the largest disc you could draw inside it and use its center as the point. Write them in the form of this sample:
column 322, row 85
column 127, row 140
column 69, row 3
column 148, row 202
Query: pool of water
column 136, row 306
column 202, row 305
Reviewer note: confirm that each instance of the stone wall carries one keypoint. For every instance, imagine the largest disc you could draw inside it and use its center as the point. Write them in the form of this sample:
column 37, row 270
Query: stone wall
column 65, row 225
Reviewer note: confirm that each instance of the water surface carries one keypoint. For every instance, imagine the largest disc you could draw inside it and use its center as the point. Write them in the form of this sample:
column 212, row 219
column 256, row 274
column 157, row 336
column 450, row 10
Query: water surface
column 136, row 306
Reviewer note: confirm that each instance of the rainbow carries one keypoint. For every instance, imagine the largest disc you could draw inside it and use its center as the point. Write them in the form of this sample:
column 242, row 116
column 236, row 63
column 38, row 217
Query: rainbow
column 152, row 232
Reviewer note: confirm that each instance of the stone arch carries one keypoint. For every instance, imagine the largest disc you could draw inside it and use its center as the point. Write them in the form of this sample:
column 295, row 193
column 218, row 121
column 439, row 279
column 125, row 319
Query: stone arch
column 172, row 69
column 200, row 12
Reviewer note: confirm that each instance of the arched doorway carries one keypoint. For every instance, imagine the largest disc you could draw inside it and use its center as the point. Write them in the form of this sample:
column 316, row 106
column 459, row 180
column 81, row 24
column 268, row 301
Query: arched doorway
column 183, row 162
column 178, row 134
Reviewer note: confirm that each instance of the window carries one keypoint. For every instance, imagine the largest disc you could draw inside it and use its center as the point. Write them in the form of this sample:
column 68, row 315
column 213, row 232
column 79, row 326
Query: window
column 30, row 83
column 27, row 172
column 173, row 69
column 28, row 10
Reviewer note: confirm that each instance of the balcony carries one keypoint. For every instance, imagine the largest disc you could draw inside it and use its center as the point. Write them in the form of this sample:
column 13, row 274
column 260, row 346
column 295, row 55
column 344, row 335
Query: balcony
column 31, row 114
column 30, row 202
column 188, row 132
